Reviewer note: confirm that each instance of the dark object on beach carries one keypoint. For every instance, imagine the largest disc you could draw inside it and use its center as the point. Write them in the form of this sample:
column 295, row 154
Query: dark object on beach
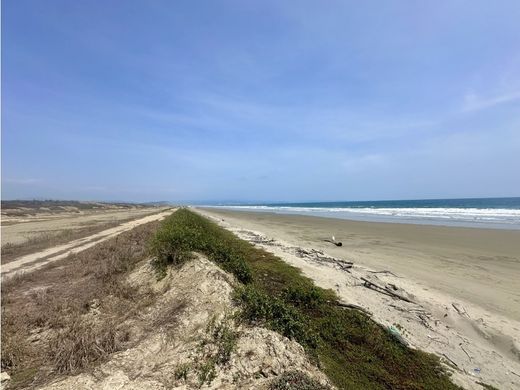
column 333, row 241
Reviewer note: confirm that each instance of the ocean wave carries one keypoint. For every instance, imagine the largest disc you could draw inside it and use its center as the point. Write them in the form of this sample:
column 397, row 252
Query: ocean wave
column 489, row 215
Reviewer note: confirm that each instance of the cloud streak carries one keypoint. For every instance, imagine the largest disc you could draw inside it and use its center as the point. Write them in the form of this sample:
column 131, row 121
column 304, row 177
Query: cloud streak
column 357, row 100
column 22, row 181
column 473, row 102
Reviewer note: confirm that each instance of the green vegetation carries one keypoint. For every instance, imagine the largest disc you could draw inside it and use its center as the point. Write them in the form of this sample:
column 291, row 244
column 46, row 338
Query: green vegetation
column 216, row 349
column 185, row 232
column 354, row 351
column 181, row 371
column 296, row 380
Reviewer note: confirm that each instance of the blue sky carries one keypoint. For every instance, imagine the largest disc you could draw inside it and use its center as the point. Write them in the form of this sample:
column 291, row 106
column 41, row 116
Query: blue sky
column 260, row 100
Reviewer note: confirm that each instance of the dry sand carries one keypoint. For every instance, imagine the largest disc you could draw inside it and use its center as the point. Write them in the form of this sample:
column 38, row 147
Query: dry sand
column 18, row 229
column 174, row 333
column 464, row 282
column 33, row 261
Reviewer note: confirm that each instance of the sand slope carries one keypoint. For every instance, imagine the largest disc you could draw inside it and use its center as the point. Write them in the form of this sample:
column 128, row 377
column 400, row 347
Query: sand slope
column 174, row 334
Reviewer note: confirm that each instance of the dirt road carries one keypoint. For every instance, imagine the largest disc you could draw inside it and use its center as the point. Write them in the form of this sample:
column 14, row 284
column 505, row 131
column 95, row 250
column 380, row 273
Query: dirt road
column 34, row 261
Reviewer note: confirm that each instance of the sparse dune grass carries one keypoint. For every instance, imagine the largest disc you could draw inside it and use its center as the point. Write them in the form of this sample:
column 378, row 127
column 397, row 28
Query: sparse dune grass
column 46, row 240
column 354, row 351
column 70, row 315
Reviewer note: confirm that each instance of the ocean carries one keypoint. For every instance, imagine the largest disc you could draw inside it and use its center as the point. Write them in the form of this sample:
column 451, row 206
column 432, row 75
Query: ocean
column 499, row 213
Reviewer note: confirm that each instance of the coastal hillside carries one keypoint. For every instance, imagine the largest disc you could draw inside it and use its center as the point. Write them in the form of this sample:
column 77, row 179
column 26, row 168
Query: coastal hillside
column 183, row 303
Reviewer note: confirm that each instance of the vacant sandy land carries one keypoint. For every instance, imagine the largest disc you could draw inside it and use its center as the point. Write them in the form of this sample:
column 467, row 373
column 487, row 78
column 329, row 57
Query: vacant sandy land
column 481, row 266
column 20, row 229
column 37, row 260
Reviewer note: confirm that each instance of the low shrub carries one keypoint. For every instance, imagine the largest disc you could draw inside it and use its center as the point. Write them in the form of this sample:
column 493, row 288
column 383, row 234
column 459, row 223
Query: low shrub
column 181, row 234
column 262, row 309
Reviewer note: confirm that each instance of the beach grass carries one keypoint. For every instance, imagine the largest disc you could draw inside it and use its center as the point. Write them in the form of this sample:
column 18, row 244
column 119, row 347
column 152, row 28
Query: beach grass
column 347, row 345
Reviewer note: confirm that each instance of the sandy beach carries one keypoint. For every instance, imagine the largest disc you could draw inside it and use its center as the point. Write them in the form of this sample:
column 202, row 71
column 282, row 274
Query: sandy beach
column 463, row 282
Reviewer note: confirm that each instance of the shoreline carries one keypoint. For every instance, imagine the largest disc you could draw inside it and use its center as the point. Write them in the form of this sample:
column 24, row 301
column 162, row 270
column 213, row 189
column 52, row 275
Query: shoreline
column 475, row 262
column 374, row 217
column 463, row 282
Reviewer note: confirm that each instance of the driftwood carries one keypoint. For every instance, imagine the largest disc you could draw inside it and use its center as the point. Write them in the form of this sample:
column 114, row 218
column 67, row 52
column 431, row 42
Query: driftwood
column 446, row 356
column 337, row 243
column 319, row 256
column 384, row 272
column 466, row 352
column 384, row 290
column 355, row 307
column 344, row 265
column 438, row 341
column 461, row 310
column 413, row 310
column 424, row 320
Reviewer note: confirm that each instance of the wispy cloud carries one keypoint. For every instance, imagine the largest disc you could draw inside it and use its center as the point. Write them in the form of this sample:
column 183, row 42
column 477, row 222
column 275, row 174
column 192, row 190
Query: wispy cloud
column 22, row 181
column 474, row 102
column 218, row 114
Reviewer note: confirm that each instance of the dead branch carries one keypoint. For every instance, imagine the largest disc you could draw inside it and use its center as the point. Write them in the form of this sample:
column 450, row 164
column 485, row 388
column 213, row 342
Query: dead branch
column 384, row 290
column 461, row 310
column 466, row 352
column 344, row 265
column 446, row 356
column 355, row 307
column 424, row 321
column 438, row 341
column 384, row 272
column 319, row 256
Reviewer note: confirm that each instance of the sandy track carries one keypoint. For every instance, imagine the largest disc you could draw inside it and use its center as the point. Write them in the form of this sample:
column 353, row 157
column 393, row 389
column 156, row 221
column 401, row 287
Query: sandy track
column 20, row 229
column 34, row 261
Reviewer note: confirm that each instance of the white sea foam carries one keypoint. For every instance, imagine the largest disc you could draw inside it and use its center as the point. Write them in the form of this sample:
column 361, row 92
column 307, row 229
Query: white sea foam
column 463, row 216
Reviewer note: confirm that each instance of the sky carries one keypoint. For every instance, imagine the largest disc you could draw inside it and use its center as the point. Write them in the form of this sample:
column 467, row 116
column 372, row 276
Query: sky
column 260, row 100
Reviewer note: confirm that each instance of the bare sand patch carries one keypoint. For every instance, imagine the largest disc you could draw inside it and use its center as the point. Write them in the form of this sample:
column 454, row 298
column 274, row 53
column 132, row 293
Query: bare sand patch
column 29, row 263
column 19, row 229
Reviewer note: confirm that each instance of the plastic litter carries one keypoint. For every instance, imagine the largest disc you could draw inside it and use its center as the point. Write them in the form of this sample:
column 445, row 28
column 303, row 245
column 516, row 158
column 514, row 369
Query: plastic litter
column 397, row 335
